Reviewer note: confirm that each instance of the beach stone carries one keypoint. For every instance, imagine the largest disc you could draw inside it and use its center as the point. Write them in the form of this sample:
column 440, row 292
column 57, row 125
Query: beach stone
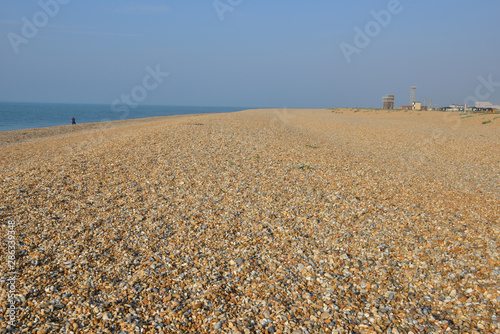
column 325, row 315
column 220, row 227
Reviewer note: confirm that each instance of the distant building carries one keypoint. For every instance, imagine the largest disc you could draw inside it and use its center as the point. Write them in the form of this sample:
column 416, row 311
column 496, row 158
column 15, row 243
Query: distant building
column 388, row 101
column 416, row 106
column 479, row 107
column 485, row 106
column 454, row 107
column 490, row 110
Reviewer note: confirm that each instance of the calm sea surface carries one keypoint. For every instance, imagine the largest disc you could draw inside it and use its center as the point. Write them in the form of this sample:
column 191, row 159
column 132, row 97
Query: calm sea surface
column 17, row 116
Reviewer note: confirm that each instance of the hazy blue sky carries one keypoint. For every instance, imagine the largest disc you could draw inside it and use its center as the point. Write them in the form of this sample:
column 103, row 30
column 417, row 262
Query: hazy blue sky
column 273, row 53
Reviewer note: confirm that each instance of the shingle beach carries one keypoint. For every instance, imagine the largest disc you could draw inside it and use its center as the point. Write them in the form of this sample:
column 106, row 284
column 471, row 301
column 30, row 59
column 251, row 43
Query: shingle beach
column 260, row 221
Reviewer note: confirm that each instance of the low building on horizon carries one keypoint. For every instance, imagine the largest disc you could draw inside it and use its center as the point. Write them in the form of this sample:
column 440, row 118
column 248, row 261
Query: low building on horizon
column 417, row 106
column 486, row 105
column 478, row 107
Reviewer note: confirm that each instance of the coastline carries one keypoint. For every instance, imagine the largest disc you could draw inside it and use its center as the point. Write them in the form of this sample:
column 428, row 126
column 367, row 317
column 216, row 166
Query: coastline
column 27, row 135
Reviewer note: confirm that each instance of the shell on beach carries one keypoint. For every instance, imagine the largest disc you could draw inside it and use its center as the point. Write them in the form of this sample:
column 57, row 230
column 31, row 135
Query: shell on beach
column 260, row 221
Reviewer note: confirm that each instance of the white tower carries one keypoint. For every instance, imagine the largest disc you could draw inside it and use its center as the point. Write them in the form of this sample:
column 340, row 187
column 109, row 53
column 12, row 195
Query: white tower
column 412, row 96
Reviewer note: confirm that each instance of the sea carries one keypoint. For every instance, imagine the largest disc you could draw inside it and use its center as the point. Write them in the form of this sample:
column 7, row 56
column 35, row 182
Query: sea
column 18, row 116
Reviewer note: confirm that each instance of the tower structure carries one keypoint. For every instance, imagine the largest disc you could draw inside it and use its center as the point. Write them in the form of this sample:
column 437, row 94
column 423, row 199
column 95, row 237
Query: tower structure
column 412, row 96
column 388, row 101
column 428, row 103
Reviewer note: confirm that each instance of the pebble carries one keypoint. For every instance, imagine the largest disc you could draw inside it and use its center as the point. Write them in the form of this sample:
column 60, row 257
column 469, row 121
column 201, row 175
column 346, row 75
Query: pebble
column 325, row 315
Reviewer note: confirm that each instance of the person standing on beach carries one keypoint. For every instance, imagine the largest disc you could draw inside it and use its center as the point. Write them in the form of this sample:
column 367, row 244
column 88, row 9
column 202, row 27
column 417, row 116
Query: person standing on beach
column 73, row 121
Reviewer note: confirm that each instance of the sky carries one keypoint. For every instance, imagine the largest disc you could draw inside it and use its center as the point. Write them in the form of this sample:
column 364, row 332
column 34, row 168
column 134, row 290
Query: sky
column 273, row 53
